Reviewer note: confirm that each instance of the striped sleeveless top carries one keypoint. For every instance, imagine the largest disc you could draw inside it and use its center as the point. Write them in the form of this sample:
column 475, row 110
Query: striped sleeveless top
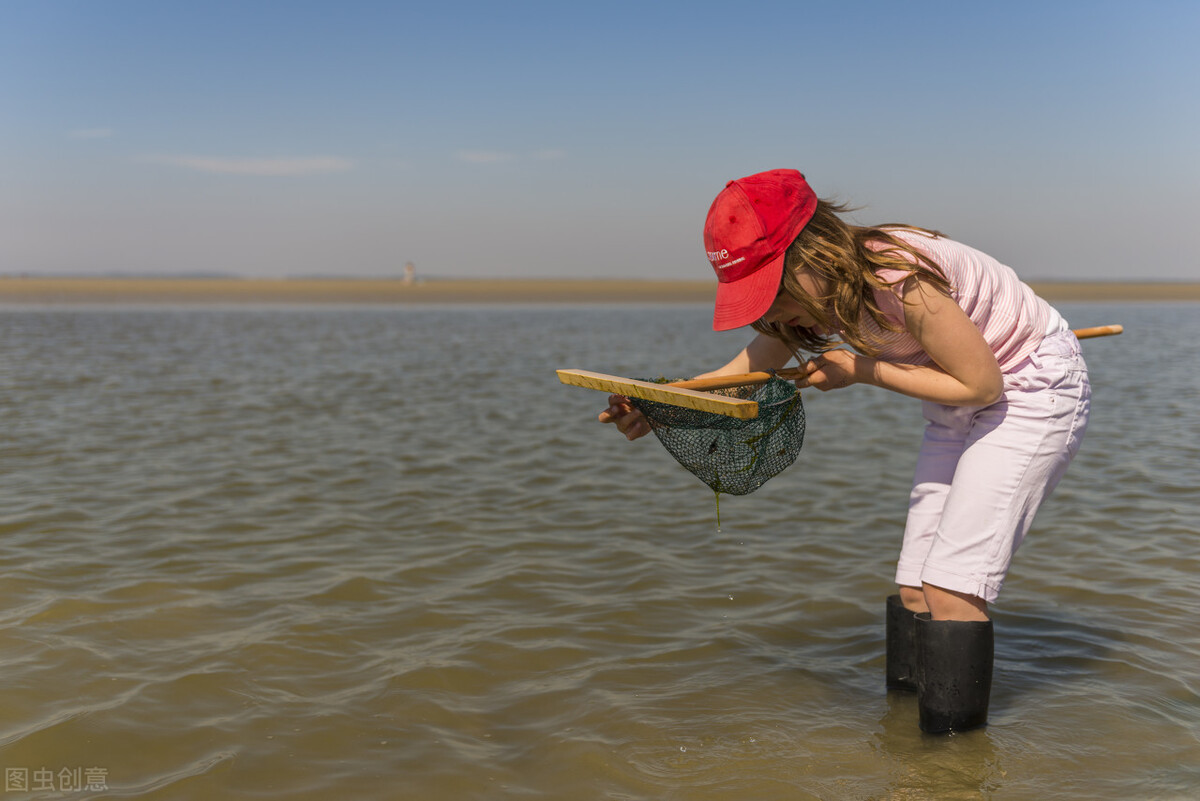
column 1011, row 317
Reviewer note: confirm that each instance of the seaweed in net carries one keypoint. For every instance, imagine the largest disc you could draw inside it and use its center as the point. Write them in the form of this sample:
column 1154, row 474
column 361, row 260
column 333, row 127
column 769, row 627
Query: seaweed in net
column 730, row 455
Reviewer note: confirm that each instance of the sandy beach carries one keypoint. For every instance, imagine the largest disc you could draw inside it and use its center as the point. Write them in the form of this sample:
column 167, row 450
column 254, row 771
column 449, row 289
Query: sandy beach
column 41, row 291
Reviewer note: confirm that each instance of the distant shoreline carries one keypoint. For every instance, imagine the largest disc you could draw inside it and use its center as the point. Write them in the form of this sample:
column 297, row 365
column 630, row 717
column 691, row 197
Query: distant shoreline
column 69, row 291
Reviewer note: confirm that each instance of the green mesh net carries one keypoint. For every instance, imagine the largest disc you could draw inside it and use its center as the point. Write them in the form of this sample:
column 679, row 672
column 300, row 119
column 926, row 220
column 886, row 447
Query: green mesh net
column 733, row 456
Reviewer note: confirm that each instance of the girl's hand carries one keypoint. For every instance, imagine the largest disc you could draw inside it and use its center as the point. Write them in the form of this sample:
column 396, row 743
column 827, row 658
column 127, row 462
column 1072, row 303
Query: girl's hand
column 833, row 369
column 629, row 421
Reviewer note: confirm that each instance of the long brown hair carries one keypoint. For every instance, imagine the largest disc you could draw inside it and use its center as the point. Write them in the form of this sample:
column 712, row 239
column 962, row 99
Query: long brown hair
column 846, row 257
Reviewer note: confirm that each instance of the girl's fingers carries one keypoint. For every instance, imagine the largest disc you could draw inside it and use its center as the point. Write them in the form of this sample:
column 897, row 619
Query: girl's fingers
column 811, row 366
column 618, row 406
column 614, row 414
column 636, row 427
column 628, row 420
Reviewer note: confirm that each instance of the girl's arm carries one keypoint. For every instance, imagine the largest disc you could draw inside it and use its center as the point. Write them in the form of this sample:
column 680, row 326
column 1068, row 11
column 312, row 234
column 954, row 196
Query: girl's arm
column 966, row 371
column 763, row 353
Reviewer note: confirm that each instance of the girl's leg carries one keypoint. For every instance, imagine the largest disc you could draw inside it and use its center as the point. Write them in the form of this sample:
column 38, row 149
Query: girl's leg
column 968, row 513
column 946, row 604
column 943, row 604
column 913, row 598
column 1002, row 461
column 1017, row 451
column 943, row 443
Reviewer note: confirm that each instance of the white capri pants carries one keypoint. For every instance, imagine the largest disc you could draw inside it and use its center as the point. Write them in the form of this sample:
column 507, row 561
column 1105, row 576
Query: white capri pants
column 983, row 471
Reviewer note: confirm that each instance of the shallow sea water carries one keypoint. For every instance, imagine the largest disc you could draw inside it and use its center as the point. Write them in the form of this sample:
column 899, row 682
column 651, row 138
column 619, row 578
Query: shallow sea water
column 290, row 553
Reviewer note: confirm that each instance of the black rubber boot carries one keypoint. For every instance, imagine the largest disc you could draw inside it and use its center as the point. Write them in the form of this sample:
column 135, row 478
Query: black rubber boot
column 901, row 646
column 955, row 674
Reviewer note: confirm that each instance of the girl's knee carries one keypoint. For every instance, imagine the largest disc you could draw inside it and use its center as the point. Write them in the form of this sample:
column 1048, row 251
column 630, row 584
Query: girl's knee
column 946, row 604
column 913, row 599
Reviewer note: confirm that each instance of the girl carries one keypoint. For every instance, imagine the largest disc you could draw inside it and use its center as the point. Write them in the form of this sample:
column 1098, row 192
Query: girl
column 1005, row 393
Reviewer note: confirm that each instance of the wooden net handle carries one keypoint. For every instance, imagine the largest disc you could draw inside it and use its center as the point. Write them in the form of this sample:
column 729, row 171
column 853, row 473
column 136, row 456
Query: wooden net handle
column 747, row 379
column 1098, row 331
column 663, row 393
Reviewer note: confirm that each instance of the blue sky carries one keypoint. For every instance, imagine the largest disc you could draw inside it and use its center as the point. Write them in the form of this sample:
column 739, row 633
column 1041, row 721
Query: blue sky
column 586, row 140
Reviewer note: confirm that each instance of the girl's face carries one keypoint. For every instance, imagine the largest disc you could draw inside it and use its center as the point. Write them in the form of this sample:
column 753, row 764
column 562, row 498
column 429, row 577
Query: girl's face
column 787, row 310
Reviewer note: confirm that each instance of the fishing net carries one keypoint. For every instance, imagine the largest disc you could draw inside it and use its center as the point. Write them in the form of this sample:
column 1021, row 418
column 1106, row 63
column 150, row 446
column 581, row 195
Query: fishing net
column 730, row 455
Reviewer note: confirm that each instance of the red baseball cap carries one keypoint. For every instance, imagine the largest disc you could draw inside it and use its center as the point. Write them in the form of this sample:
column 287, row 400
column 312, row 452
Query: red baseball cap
column 749, row 228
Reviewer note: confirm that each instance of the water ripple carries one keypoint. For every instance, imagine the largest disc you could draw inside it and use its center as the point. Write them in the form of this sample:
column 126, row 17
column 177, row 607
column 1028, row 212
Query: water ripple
column 275, row 554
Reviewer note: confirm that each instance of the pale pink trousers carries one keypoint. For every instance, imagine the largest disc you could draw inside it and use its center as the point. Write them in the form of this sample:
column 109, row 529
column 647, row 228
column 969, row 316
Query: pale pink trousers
column 983, row 472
